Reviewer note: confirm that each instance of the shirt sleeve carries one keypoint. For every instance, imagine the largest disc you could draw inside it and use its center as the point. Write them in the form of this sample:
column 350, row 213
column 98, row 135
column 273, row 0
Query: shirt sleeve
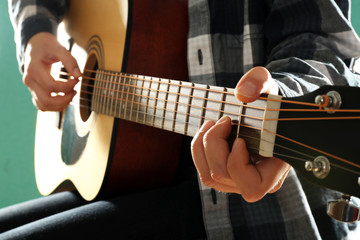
column 30, row 17
column 310, row 44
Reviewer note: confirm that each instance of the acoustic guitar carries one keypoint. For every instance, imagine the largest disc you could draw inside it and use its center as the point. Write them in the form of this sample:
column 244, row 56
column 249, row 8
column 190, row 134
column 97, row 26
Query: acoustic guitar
column 124, row 130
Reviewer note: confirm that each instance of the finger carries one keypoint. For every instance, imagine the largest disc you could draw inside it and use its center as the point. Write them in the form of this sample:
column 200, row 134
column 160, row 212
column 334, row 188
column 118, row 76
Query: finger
column 217, row 151
column 41, row 75
column 254, row 180
column 255, row 82
column 68, row 61
column 45, row 101
column 199, row 157
column 281, row 182
column 49, row 50
column 53, row 103
column 198, row 152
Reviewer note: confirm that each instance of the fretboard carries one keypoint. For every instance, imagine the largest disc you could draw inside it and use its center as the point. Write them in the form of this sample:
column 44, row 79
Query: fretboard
column 182, row 107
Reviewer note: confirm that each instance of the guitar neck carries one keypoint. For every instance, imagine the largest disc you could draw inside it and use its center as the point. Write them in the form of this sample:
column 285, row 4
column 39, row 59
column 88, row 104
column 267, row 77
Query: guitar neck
column 182, row 107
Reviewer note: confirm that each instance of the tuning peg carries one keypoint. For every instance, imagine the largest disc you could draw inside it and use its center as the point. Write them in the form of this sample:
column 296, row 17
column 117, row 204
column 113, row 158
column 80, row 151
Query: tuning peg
column 344, row 210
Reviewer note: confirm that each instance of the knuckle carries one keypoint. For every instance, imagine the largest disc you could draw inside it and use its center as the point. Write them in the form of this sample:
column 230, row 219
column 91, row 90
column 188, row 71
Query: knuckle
column 195, row 144
column 217, row 177
column 252, row 196
column 208, row 138
column 26, row 80
column 207, row 181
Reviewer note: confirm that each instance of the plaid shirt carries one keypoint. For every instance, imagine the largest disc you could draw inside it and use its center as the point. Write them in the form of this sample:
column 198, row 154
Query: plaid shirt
column 303, row 43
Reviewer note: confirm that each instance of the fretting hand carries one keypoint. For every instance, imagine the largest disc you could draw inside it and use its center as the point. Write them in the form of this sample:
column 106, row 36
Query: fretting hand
column 235, row 171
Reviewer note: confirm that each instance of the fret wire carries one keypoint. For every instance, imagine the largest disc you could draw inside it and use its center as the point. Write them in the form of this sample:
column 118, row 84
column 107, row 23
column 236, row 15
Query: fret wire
column 176, row 107
column 188, row 110
column 94, row 97
column 140, row 99
column 241, row 113
column 122, row 79
column 135, row 82
column 126, row 97
column 220, row 114
column 118, row 101
column 165, row 102
column 181, row 114
column 157, row 103
column 172, row 97
column 147, row 100
column 197, row 107
column 205, row 105
column 112, row 93
column 102, row 95
column 213, row 104
column 106, row 94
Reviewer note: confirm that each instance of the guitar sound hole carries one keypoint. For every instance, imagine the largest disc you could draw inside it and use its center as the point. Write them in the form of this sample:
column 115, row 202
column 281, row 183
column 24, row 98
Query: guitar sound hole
column 87, row 87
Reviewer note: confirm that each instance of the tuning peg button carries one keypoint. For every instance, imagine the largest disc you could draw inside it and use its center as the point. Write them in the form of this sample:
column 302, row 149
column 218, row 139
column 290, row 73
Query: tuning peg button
column 344, row 210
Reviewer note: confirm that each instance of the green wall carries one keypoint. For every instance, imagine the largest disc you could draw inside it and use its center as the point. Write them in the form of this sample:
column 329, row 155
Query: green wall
column 17, row 119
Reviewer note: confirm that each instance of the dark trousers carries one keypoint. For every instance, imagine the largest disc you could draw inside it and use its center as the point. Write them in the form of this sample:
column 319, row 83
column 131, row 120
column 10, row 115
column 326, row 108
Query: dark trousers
column 168, row 213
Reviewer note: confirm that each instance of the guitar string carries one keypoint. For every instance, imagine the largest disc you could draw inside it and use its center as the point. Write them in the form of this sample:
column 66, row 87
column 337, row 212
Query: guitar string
column 336, row 157
column 308, row 157
column 151, row 122
column 340, row 159
column 216, row 101
column 318, row 107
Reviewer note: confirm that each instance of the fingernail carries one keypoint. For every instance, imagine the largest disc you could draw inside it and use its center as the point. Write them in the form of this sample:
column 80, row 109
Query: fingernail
column 247, row 89
column 223, row 119
column 77, row 72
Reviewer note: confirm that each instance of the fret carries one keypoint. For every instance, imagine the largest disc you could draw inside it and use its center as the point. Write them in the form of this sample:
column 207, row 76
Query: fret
column 183, row 107
column 95, row 96
column 140, row 91
column 197, row 109
column 233, row 108
column 111, row 91
column 231, row 105
column 117, row 95
column 188, row 109
column 251, row 135
column 156, row 120
column 214, row 103
column 240, row 118
column 134, row 97
column 171, row 105
column 122, row 93
column 101, row 92
column 105, row 93
column 152, row 101
column 267, row 138
column 163, row 101
column 126, row 96
column 146, row 100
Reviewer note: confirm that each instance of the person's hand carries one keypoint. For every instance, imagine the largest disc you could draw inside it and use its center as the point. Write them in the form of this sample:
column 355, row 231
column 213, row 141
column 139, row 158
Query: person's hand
column 49, row 94
column 236, row 171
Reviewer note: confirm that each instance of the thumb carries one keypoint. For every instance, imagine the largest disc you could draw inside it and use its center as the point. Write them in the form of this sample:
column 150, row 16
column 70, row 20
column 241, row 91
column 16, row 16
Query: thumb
column 255, row 82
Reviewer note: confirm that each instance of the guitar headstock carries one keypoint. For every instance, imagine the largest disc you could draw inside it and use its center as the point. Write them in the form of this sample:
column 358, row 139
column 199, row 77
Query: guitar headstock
column 319, row 137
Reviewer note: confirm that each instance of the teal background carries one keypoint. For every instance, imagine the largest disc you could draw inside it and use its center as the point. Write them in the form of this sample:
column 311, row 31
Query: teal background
column 18, row 116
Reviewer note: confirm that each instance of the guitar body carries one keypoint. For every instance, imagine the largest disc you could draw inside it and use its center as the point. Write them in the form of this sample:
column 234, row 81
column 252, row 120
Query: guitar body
column 92, row 152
